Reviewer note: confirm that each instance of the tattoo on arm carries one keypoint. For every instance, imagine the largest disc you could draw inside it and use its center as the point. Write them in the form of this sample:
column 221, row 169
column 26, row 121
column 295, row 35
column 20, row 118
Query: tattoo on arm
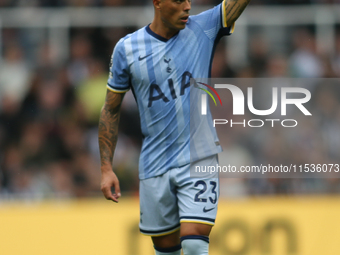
column 108, row 126
column 233, row 9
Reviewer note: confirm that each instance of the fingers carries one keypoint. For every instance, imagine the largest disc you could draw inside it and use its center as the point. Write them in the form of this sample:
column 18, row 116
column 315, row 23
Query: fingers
column 117, row 190
column 109, row 180
column 106, row 189
column 108, row 194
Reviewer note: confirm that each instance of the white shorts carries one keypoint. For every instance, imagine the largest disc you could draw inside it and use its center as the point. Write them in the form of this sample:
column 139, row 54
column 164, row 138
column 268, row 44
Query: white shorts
column 175, row 197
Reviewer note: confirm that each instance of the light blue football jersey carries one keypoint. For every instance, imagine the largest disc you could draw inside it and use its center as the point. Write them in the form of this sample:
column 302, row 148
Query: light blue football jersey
column 158, row 71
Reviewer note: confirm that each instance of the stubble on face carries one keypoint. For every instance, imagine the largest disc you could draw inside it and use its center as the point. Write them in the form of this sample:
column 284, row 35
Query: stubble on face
column 174, row 14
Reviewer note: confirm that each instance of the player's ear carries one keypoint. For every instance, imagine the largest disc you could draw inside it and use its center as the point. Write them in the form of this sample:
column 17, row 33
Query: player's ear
column 156, row 3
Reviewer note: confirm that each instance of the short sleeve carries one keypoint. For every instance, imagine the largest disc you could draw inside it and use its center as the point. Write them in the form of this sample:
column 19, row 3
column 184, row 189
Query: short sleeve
column 119, row 71
column 213, row 22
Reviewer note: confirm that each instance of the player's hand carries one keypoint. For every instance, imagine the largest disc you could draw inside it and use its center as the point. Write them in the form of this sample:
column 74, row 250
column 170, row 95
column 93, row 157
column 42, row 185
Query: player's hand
column 109, row 179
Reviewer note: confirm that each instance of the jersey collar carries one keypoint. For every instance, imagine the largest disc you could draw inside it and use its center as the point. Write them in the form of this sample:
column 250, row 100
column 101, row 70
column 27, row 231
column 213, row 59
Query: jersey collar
column 161, row 38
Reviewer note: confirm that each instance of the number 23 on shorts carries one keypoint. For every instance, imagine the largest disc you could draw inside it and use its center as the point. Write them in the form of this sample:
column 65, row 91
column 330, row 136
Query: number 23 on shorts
column 204, row 185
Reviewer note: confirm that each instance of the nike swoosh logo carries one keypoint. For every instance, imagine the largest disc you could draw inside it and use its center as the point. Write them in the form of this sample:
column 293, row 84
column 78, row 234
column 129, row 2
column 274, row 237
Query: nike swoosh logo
column 141, row 58
column 208, row 210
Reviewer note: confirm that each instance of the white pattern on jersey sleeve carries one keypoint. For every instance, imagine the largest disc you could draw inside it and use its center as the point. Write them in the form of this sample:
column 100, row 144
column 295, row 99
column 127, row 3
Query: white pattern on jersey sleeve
column 119, row 79
column 213, row 22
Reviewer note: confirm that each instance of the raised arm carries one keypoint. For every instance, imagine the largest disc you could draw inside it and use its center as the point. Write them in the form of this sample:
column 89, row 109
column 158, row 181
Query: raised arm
column 233, row 10
column 107, row 134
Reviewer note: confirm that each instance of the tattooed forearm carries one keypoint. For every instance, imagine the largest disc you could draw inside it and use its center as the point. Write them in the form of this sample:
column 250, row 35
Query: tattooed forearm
column 108, row 127
column 233, row 9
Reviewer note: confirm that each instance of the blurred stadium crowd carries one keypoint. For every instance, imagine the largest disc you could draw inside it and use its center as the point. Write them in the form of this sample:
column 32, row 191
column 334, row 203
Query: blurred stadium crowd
column 49, row 112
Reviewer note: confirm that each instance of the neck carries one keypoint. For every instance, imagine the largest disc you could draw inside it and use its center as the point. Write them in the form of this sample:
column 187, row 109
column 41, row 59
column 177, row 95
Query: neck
column 160, row 29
